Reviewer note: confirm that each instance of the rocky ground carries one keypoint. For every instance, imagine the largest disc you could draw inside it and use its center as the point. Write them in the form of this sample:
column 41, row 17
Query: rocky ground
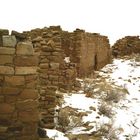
column 106, row 107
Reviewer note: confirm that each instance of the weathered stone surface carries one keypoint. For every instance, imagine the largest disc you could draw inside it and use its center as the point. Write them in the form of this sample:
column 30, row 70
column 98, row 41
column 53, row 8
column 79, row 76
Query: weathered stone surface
column 6, row 70
column 3, row 129
column 6, row 108
column 44, row 66
column 24, row 48
column 11, row 91
column 28, row 116
column 37, row 39
column 45, row 60
column 126, row 46
column 28, row 137
column 14, row 80
column 26, row 60
column 29, row 128
column 1, row 97
column 10, row 98
column 6, row 59
column 54, row 65
column 32, row 84
column 25, row 70
column 28, row 94
column 27, row 105
column 5, row 50
column 9, row 41
column 30, row 78
column 53, row 78
column 4, row 32
column 19, row 36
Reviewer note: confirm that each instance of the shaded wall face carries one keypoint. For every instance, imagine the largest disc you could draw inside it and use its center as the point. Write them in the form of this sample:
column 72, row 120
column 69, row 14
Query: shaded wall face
column 89, row 51
column 18, row 93
column 103, row 52
column 88, row 54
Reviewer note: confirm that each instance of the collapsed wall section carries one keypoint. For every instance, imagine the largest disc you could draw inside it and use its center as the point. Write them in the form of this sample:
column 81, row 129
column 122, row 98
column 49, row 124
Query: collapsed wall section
column 126, row 46
column 18, row 93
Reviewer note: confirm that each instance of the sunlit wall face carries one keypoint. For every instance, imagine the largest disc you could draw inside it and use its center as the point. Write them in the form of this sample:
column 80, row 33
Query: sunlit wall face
column 115, row 18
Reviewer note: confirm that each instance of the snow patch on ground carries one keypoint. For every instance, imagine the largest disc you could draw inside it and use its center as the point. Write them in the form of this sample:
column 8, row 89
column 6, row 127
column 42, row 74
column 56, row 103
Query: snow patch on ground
column 126, row 73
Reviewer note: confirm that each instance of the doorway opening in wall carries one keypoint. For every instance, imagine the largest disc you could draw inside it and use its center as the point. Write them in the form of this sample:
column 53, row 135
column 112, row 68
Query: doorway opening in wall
column 95, row 62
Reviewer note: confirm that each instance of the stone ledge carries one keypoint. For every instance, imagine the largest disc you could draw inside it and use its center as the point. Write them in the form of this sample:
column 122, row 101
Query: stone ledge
column 9, row 41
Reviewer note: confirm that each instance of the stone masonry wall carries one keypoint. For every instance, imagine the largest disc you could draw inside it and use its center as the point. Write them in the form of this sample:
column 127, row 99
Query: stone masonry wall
column 18, row 93
column 33, row 66
column 88, row 51
column 54, row 73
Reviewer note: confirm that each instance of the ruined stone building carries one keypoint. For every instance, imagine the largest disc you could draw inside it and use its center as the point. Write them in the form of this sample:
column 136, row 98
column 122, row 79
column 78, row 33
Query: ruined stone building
column 126, row 46
column 36, row 63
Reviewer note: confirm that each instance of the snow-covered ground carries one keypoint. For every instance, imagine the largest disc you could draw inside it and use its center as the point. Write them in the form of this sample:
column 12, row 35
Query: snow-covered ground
column 124, row 73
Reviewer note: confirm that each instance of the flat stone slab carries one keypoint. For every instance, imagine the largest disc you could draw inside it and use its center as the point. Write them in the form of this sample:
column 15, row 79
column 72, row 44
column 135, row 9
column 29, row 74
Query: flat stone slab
column 25, row 48
column 9, row 41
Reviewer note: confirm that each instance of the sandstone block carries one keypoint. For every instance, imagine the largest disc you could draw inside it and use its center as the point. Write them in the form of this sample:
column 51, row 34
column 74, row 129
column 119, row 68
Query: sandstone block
column 30, row 78
column 57, row 53
column 42, row 70
column 44, row 66
column 0, row 90
column 3, row 129
column 6, row 108
column 55, row 58
column 9, row 41
column 4, row 32
column 27, row 105
column 29, row 137
column 53, row 88
column 45, row 53
column 49, row 125
column 6, row 70
column 53, row 78
column 45, row 60
column 29, row 129
column 50, row 92
column 50, row 98
column 5, row 50
column 54, row 65
column 10, row 91
column 1, row 98
column 37, row 39
column 26, row 61
column 10, row 99
column 6, row 59
column 25, row 70
column 28, row 94
column 28, row 116
column 24, row 48
column 14, row 80
column 32, row 84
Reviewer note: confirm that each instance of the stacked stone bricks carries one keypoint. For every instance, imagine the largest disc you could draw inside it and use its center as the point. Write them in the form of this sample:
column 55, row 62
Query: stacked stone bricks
column 54, row 73
column 49, row 71
column 18, row 94
column 88, row 51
